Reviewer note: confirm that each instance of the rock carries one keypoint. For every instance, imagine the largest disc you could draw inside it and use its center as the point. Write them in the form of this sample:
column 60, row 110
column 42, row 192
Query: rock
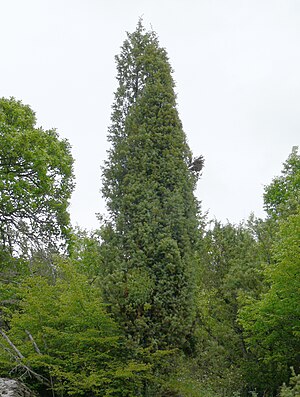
column 14, row 388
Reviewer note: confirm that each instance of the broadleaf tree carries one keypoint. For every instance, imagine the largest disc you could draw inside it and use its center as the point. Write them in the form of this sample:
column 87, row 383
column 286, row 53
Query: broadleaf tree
column 282, row 195
column 150, row 237
column 36, row 181
column 63, row 339
column 271, row 322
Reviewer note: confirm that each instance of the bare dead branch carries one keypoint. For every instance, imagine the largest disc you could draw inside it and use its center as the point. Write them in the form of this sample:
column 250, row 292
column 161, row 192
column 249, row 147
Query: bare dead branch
column 36, row 348
column 20, row 355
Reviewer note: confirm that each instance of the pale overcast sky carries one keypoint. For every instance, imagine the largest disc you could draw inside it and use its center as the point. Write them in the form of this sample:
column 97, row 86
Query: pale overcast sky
column 236, row 65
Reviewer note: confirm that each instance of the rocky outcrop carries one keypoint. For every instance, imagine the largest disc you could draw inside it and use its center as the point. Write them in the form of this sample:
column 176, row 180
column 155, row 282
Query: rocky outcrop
column 14, row 388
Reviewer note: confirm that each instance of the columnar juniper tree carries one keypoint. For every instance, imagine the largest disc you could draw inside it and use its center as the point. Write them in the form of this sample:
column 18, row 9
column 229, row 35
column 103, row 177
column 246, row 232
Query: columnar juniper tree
column 148, row 183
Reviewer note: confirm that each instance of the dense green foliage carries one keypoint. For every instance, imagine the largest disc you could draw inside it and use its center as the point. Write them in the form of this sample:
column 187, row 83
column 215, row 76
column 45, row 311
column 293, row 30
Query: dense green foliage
column 159, row 302
column 36, row 180
column 153, row 226
column 66, row 337
column 229, row 268
column 271, row 322
column 282, row 196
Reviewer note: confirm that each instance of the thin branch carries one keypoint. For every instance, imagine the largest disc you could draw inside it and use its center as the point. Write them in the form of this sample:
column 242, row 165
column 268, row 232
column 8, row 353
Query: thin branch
column 19, row 359
column 36, row 348
column 20, row 355
column 38, row 377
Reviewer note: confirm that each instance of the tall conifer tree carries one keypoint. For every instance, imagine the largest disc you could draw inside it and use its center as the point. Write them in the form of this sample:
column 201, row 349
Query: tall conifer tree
column 154, row 216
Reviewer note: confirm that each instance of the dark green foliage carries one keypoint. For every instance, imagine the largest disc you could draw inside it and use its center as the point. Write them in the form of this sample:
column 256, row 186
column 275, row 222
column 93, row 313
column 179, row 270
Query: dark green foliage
column 229, row 264
column 150, row 238
column 36, row 181
column 12, row 270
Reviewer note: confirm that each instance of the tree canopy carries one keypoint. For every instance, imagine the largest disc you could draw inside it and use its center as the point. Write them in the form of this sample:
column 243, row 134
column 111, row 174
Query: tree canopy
column 36, row 180
column 282, row 196
column 63, row 338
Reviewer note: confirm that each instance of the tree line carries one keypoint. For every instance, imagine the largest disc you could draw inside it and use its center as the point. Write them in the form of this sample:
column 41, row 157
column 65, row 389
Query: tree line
column 160, row 300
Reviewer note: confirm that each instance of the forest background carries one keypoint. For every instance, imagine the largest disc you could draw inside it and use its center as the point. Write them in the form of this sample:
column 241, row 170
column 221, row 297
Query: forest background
column 159, row 300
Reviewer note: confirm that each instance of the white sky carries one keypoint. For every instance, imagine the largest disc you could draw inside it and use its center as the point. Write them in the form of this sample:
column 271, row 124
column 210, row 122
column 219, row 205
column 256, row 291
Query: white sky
column 236, row 63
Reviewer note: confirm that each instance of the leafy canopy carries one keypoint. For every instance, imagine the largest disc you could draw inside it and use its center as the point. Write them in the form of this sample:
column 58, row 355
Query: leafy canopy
column 282, row 196
column 36, row 180
column 65, row 336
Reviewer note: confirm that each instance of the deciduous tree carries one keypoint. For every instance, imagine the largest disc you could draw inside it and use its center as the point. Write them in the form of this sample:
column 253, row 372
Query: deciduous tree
column 63, row 339
column 36, row 181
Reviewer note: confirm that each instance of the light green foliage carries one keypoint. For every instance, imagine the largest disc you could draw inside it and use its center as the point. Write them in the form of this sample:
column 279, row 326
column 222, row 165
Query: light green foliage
column 294, row 389
column 36, row 180
column 282, row 196
column 264, row 233
column 150, row 239
column 272, row 323
column 80, row 350
column 86, row 255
